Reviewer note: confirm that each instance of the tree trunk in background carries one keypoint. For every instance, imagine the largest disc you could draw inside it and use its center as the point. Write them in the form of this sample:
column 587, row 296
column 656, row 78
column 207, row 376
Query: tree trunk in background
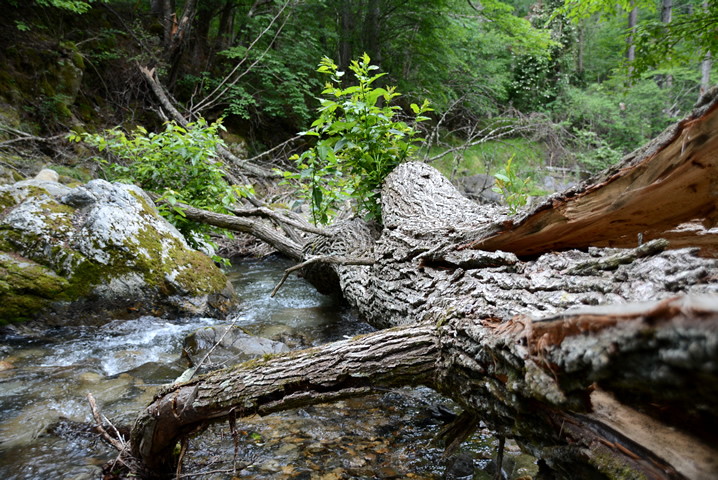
column 632, row 20
column 372, row 32
column 169, row 20
column 347, row 34
column 580, row 46
column 706, row 65
column 156, row 8
column 666, row 16
column 200, row 36
column 178, row 41
column 226, row 27
column 666, row 11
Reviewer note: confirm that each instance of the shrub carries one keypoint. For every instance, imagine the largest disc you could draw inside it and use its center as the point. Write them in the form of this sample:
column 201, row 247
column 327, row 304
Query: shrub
column 358, row 143
column 180, row 164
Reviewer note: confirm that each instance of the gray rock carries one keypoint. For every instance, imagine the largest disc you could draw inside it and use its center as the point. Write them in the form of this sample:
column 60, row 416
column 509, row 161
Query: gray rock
column 79, row 197
column 235, row 346
column 8, row 176
column 52, row 188
column 460, row 467
column 553, row 184
column 478, row 187
column 47, row 175
column 98, row 252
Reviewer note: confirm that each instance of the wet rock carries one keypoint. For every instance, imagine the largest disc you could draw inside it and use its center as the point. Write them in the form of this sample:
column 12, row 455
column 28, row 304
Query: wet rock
column 388, row 472
column 234, row 345
column 507, row 467
column 442, row 413
column 95, row 253
column 89, row 472
column 154, row 373
column 460, row 467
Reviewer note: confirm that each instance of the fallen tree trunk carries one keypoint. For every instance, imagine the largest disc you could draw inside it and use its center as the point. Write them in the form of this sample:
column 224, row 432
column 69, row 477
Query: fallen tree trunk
column 504, row 333
column 533, row 381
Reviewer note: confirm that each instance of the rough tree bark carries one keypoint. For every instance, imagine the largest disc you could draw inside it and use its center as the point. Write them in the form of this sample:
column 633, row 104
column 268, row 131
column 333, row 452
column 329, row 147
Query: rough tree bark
column 601, row 362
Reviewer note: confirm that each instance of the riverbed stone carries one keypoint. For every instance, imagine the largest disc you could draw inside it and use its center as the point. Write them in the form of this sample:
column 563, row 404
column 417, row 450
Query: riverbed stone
column 234, row 345
column 98, row 252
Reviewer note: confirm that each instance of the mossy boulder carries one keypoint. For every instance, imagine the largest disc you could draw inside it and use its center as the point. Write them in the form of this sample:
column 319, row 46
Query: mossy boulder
column 95, row 253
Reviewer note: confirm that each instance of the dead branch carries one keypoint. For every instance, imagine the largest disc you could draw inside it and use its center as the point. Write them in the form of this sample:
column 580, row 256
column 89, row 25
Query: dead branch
column 164, row 100
column 31, row 138
column 532, row 383
column 120, row 446
column 261, row 231
column 322, row 259
column 265, row 212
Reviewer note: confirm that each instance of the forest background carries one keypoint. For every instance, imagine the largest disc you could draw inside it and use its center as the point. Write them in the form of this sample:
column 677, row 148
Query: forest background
column 563, row 89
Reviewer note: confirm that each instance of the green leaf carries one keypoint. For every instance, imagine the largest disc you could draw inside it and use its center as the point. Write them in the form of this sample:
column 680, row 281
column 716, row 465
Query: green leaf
column 317, row 196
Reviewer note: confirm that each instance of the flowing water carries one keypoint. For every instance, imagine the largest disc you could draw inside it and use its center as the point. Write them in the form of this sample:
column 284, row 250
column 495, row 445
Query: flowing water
column 44, row 380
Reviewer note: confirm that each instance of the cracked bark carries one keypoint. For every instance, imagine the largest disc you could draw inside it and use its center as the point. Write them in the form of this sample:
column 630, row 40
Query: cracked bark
column 577, row 354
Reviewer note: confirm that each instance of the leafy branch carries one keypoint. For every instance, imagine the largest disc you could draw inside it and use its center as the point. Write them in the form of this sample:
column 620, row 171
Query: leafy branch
column 513, row 189
column 358, row 143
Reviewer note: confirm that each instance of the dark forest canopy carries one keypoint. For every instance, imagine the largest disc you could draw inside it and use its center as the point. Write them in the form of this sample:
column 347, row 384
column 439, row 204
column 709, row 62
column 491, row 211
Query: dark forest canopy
column 254, row 62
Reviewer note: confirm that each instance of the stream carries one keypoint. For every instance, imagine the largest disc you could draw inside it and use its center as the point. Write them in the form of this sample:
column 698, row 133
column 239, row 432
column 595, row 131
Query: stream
column 44, row 412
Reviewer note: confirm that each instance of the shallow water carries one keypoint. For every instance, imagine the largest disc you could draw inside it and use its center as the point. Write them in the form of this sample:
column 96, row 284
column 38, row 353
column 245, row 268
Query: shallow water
column 123, row 364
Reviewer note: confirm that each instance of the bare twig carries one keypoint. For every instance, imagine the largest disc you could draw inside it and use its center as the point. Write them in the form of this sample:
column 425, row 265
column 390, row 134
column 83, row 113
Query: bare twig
column 265, row 153
column 183, row 450
column 31, row 138
column 323, row 259
column 112, row 441
column 216, row 94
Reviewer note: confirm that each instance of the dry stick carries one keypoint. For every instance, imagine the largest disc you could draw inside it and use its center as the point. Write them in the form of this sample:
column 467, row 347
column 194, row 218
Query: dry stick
column 323, row 259
column 183, row 450
column 93, row 406
column 263, row 154
column 30, row 138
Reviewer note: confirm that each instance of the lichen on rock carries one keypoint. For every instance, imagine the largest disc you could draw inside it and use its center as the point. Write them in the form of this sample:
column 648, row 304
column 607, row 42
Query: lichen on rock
column 97, row 252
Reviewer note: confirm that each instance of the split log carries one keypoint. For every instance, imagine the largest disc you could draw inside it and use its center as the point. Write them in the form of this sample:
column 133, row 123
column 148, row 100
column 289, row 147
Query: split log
column 557, row 349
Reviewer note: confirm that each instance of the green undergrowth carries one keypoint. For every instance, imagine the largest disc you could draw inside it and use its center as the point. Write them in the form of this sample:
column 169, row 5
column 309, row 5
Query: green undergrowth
column 491, row 157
